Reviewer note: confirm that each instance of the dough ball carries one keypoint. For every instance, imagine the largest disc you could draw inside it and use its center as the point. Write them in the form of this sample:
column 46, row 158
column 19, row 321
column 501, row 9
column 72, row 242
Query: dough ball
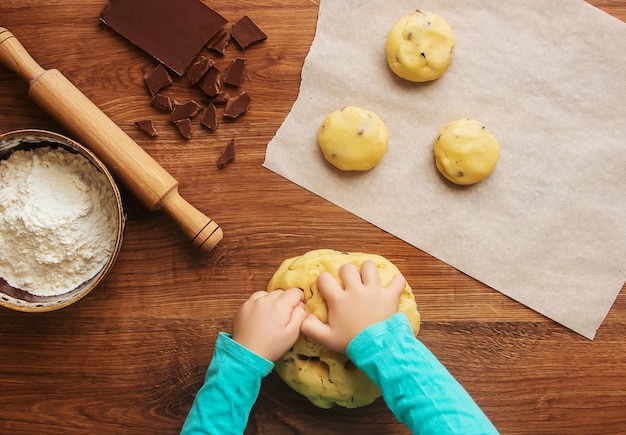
column 353, row 139
column 324, row 376
column 420, row 46
column 466, row 152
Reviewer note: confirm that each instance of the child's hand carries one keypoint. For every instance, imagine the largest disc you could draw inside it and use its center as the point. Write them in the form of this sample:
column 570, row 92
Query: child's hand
column 268, row 324
column 363, row 303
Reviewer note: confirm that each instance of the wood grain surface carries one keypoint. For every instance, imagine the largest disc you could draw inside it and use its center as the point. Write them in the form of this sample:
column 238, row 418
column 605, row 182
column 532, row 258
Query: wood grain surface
column 130, row 356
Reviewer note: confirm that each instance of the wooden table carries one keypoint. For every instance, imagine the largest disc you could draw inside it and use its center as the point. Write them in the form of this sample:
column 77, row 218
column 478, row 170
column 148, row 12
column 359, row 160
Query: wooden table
column 130, row 357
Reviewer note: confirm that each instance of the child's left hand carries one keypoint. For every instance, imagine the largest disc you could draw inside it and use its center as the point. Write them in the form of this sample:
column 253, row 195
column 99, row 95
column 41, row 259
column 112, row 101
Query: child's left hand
column 268, row 324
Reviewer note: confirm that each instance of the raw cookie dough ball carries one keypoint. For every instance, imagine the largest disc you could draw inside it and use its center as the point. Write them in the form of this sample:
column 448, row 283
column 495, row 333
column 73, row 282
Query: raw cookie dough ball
column 420, row 46
column 465, row 151
column 353, row 139
column 324, row 376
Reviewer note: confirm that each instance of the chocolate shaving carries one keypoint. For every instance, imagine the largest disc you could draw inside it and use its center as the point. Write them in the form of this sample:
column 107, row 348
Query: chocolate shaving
column 228, row 155
column 246, row 32
column 147, row 126
column 157, row 79
column 185, row 110
column 209, row 119
column 219, row 42
column 237, row 106
column 162, row 102
column 210, row 83
column 198, row 69
column 184, row 127
column 234, row 73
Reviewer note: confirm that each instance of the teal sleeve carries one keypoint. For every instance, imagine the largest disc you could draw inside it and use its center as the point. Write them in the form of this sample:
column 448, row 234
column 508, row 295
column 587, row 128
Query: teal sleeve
column 231, row 386
column 418, row 389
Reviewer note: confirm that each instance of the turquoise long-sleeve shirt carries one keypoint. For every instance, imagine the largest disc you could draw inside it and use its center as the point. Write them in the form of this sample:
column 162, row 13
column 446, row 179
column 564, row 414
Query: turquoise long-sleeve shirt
column 417, row 388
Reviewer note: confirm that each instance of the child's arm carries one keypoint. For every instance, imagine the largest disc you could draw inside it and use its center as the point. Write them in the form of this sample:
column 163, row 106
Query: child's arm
column 363, row 321
column 265, row 327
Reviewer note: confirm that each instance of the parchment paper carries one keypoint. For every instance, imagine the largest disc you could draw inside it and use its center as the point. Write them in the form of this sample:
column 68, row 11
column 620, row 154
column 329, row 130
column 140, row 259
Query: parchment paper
column 547, row 228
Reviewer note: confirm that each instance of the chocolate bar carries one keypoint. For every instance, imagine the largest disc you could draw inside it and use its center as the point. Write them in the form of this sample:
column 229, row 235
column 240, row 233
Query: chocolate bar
column 184, row 110
column 171, row 31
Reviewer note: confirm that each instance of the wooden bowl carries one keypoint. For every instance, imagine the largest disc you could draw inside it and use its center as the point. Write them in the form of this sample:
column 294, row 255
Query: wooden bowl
column 20, row 300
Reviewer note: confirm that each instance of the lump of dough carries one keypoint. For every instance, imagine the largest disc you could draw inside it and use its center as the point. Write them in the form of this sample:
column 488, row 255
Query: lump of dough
column 324, row 376
column 466, row 152
column 353, row 139
column 420, row 46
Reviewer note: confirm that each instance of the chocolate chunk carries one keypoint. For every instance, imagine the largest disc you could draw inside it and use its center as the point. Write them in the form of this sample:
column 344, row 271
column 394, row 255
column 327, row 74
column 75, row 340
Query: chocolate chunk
column 157, row 79
column 185, row 110
column 219, row 42
column 199, row 69
column 228, row 155
column 246, row 32
column 209, row 119
column 237, row 106
column 210, row 83
column 162, row 102
column 184, row 127
column 173, row 32
column 234, row 73
column 220, row 99
column 147, row 126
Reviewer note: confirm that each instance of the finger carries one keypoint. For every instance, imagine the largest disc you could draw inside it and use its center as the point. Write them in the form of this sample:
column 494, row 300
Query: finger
column 396, row 286
column 370, row 274
column 328, row 286
column 275, row 294
column 295, row 321
column 315, row 329
column 257, row 295
column 350, row 275
column 292, row 296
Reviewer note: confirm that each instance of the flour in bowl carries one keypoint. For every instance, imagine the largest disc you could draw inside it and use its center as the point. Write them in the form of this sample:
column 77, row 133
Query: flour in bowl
column 58, row 220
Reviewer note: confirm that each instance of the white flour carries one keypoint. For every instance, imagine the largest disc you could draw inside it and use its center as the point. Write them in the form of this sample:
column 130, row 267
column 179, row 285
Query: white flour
column 58, row 220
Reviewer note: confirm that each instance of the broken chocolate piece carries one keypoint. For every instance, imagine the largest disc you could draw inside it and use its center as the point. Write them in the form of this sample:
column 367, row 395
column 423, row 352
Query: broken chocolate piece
column 184, row 127
column 234, row 73
column 237, row 106
column 220, row 99
column 246, row 32
column 209, row 119
column 219, row 42
column 210, row 83
column 185, row 110
column 228, row 155
column 173, row 32
column 147, row 126
column 198, row 69
column 157, row 79
column 162, row 102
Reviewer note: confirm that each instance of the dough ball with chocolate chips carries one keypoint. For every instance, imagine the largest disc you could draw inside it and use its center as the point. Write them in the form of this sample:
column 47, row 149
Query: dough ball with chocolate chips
column 420, row 46
column 323, row 376
column 353, row 139
column 465, row 151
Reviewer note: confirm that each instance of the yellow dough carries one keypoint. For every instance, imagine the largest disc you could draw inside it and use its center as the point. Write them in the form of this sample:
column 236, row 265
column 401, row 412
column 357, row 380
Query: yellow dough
column 353, row 139
column 466, row 152
column 323, row 376
column 420, row 46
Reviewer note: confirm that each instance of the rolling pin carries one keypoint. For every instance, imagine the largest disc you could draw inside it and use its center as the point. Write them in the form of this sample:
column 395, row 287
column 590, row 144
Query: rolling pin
column 133, row 166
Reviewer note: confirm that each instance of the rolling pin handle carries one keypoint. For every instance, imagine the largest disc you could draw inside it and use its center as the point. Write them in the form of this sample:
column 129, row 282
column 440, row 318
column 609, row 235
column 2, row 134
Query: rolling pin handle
column 15, row 57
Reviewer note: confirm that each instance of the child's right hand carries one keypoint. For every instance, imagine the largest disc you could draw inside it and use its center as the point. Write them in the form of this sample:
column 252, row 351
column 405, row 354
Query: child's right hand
column 362, row 303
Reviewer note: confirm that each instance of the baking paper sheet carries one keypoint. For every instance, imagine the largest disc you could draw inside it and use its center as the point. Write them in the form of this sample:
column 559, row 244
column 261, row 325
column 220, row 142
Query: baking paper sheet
column 548, row 227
